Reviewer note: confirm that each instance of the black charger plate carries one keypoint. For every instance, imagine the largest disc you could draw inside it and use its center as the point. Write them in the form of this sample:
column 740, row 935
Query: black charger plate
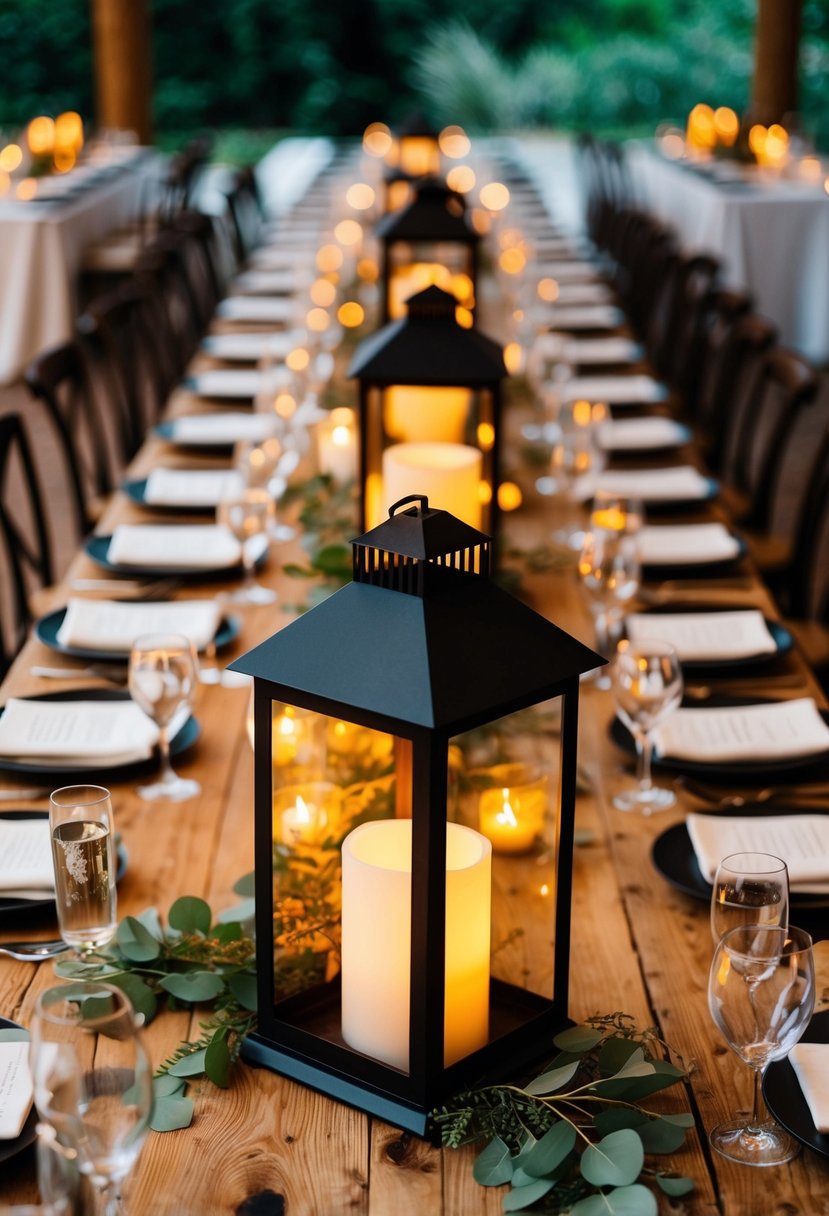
column 784, row 1097
column 10, row 1148
column 97, row 547
column 46, row 631
column 783, row 640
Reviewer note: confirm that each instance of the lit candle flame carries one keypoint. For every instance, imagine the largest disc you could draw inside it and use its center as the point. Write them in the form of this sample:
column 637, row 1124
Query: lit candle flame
column 506, row 815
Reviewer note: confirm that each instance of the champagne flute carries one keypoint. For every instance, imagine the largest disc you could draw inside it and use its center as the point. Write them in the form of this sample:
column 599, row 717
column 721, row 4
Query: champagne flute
column 749, row 888
column 609, row 573
column 92, row 1081
column 83, row 854
column 647, row 686
column 761, row 994
column 163, row 676
column 249, row 515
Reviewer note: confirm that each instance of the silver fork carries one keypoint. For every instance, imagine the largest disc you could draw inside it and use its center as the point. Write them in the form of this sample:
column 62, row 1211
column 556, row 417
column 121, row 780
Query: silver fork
column 96, row 671
column 34, row 952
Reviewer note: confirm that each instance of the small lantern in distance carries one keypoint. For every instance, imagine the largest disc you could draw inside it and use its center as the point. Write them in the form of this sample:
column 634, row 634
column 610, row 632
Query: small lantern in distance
column 414, row 153
column 430, row 408
column 377, row 984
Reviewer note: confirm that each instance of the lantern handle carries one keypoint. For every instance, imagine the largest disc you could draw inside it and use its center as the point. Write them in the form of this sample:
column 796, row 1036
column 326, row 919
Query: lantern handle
column 420, row 499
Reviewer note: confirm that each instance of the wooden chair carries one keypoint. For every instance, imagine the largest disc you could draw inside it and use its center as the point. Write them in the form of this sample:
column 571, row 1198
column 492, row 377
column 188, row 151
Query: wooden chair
column 668, row 324
column 114, row 328
column 25, row 549
column 244, row 206
column 734, row 349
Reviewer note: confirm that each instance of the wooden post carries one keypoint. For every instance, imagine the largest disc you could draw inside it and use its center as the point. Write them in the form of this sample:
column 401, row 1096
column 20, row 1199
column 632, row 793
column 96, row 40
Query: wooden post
column 777, row 41
column 123, row 74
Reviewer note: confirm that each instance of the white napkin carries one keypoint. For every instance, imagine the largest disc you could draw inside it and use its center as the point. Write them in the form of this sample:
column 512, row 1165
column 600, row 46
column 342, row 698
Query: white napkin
column 588, row 316
column 618, row 390
column 275, row 257
column 15, row 1088
column 679, row 484
column 250, row 347
column 226, row 382
column 705, row 635
column 583, row 293
column 222, row 429
column 566, row 272
column 25, row 859
column 191, row 487
column 114, row 625
column 601, row 350
column 265, row 282
column 255, row 308
column 686, row 544
column 810, row 1062
column 636, row 434
column 174, row 546
column 76, row 734
column 802, row 841
column 785, row 729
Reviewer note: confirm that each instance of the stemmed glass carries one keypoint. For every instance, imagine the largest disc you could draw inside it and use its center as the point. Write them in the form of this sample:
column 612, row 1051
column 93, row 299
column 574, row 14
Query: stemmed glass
column 647, row 686
column 83, row 854
column 163, row 675
column 92, row 1081
column 761, row 994
column 249, row 515
column 609, row 573
column 575, row 463
column 267, row 465
column 749, row 888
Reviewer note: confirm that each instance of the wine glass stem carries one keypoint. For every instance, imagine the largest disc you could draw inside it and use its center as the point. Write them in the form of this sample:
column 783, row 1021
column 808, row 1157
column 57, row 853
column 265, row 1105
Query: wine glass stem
column 109, row 1200
column 644, row 749
column 758, row 1106
column 167, row 772
column 247, row 566
column 602, row 633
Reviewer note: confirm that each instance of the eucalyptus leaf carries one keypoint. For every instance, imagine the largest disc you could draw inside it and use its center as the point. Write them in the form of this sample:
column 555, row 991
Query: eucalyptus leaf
column 189, row 1066
column 550, row 1081
column 634, row 1200
column 239, row 912
column 246, row 885
column 616, row 1117
column 674, row 1186
column 526, row 1196
column 229, row 932
column 549, row 1152
column 616, row 1160
column 334, row 559
column 660, row 1136
column 520, row 1177
column 493, row 1166
column 189, row 914
column 578, row 1039
column 151, row 921
column 637, row 1083
column 167, row 1086
column 171, row 1114
column 144, row 1000
column 615, row 1053
column 244, row 988
column 292, row 570
column 217, row 1060
column 71, row 969
column 135, row 941
column 193, row 986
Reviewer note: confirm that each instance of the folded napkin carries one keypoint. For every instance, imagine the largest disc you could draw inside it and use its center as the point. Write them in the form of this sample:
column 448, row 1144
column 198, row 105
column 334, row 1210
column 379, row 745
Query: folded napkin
column 25, row 859
column 709, row 636
column 810, row 1062
column 256, row 308
column 226, row 382
column 601, row 350
column 567, row 272
column 802, row 841
column 113, row 625
column 222, row 429
column 686, row 544
column 265, row 282
column 250, row 347
column 636, row 434
column 174, row 546
column 588, row 316
column 783, row 730
column 76, row 734
column 583, row 293
column 191, row 487
column 679, row 484
column 616, row 390
column 275, row 257
column 15, row 1087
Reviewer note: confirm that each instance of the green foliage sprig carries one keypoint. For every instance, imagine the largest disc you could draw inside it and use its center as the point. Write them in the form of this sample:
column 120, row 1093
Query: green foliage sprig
column 574, row 1138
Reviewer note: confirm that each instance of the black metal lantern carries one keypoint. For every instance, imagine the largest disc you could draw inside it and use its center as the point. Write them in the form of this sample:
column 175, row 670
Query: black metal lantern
column 429, row 241
column 430, row 413
column 414, row 153
column 387, row 874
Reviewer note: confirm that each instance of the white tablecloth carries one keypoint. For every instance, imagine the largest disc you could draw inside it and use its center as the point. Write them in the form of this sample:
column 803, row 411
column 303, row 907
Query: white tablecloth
column 772, row 237
column 41, row 248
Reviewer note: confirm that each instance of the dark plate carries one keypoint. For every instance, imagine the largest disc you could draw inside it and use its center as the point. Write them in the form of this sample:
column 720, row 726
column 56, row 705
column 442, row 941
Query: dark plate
column 784, row 1097
column 674, row 858
column 723, row 565
column 96, row 547
column 783, row 640
column 10, row 1148
column 46, row 630
column 682, row 437
column 167, row 432
column 680, row 505
column 136, row 491
column 721, row 771
column 12, row 907
column 182, row 742
column 191, row 384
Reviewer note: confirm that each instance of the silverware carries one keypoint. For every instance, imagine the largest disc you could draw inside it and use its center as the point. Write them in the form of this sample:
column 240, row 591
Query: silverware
column 748, row 685
column 724, row 801
column 34, row 952
column 95, row 671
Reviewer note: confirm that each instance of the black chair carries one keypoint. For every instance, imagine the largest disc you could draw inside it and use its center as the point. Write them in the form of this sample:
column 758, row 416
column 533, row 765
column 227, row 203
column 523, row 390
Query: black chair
column 25, row 549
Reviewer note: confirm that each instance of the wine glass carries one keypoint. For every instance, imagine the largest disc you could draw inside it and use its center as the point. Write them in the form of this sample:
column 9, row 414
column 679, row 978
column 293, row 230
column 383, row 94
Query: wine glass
column 163, row 675
column 749, row 888
column 761, row 994
column 609, row 573
column 266, row 465
column 83, row 854
column 647, row 686
column 249, row 515
column 92, row 1081
column 575, row 463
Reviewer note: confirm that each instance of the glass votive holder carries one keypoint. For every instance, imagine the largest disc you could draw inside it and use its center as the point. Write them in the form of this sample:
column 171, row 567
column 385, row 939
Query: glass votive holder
column 511, row 812
column 307, row 813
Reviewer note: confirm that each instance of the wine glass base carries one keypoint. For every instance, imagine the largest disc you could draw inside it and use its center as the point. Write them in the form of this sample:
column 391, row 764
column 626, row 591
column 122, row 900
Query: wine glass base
column 767, row 1144
column 645, row 801
column 177, row 790
column 210, row 675
column 255, row 594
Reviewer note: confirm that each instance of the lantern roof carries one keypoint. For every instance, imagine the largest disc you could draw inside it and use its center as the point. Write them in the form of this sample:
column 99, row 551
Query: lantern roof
column 436, row 213
column 422, row 532
column 428, row 346
column 463, row 651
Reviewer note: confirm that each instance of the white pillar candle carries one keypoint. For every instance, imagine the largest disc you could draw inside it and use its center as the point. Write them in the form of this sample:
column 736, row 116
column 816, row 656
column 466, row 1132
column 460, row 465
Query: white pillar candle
column 376, row 940
column 449, row 473
column 417, row 413
column 337, row 445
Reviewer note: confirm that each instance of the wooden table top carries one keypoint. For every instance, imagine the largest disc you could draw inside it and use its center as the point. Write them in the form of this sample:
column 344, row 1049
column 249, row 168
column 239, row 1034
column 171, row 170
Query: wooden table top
column 638, row 946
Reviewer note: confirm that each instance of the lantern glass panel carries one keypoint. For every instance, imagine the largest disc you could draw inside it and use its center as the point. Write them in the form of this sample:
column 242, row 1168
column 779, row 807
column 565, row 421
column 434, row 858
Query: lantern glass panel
column 414, row 266
column 504, row 781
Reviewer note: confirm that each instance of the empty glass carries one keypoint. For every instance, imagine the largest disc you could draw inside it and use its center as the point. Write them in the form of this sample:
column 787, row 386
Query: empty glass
column 609, row 573
column 249, row 515
column 761, row 994
column 575, row 463
column 84, row 857
column 163, row 675
column 749, row 888
column 647, row 686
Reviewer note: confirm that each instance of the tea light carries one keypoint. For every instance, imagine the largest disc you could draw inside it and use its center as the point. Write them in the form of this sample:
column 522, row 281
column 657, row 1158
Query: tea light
column 376, row 940
column 293, row 740
column 303, row 813
column 423, row 414
column 448, row 473
column 512, row 818
column 337, row 445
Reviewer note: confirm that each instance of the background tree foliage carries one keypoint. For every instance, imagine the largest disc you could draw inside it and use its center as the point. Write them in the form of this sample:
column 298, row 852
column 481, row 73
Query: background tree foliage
column 334, row 65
